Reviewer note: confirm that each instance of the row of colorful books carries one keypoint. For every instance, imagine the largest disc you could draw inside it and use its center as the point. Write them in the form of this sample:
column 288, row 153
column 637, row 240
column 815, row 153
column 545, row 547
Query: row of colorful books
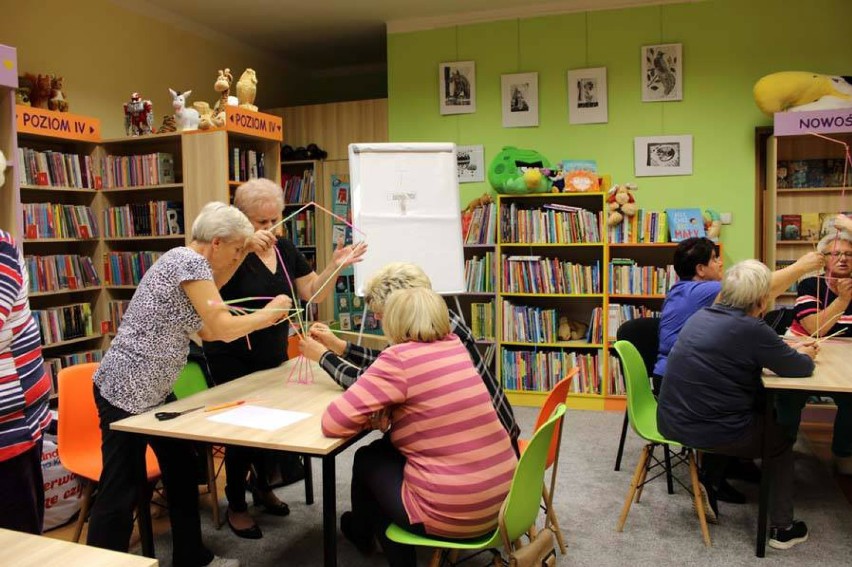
column 645, row 226
column 64, row 323
column 53, row 220
column 482, row 227
column 628, row 278
column 127, row 268
column 482, row 320
column 540, row 370
column 529, row 324
column 804, row 226
column 61, row 271
column 117, row 308
column 299, row 188
column 56, row 363
column 554, row 223
column 534, row 274
column 616, row 386
column 808, row 173
column 58, row 169
column 246, row 164
column 301, row 229
column 154, row 218
column 138, row 170
column 479, row 274
column 619, row 313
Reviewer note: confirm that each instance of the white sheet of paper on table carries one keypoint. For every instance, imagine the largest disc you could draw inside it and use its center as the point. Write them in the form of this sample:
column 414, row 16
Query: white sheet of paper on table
column 258, row 417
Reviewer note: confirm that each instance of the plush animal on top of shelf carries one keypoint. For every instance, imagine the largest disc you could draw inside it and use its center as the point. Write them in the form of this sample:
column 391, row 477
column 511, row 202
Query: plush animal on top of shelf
column 467, row 212
column 39, row 86
column 518, row 171
column 712, row 224
column 57, row 100
column 621, row 203
column 223, row 87
column 138, row 116
column 247, row 89
column 800, row 91
column 186, row 118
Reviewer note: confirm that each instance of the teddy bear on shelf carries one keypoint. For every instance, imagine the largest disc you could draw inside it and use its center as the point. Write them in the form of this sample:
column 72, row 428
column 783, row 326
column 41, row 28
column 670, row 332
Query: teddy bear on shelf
column 621, row 203
column 57, row 100
column 570, row 330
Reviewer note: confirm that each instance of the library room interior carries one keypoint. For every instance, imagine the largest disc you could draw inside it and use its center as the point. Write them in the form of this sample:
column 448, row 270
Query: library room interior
column 393, row 283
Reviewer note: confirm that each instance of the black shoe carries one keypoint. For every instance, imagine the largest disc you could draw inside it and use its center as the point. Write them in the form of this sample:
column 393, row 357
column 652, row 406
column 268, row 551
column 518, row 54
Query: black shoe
column 743, row 469
column 364, row 542
column 252, row 532
column 727, row 493
column 711, row 508
column 271, row 504
column 785, row 538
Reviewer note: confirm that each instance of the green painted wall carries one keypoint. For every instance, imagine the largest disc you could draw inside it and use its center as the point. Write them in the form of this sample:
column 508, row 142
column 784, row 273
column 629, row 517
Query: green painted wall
column 727, row 46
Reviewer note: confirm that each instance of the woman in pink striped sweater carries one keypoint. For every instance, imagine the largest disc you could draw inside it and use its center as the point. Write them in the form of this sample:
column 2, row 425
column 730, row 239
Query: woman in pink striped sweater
column 446, row 465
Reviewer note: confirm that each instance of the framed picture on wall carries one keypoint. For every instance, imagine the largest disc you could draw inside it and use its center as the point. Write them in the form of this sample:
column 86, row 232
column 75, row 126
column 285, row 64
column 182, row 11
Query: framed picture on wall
column 662, row 155
column 662, row 72
column 520, row 100
column 457, row 82
column 587, row 100
column 471, row 163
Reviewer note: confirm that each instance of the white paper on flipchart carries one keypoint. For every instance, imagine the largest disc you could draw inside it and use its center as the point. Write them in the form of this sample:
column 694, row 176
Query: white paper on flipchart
column 258, row 417
column 405, row 198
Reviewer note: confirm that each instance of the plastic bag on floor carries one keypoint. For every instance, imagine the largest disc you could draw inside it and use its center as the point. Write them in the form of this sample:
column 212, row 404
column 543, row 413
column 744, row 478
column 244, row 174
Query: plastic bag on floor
column 62, row 488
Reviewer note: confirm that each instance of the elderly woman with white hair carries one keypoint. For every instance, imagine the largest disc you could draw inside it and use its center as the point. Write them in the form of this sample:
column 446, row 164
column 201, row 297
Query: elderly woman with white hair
column 711, row 392
column 268, row 271
column 177, row 297
column 824, row 307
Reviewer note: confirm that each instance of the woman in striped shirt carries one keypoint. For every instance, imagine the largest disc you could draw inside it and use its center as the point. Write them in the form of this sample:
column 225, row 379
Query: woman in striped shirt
column 24, row 393
column 446, row 465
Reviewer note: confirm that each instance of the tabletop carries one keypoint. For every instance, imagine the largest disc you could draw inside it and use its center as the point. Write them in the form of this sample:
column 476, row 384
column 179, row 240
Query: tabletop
column 28, row 550
column 298, row 385
column 832, row 372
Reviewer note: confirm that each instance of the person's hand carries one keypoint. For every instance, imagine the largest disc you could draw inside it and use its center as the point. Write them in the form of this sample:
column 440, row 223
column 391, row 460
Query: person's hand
column 811, row 262
column 278, row 308
column 321, row 333
column 842, row 222
column 380, row 420
column 311, row 349
column 347, row 255
column 844, row 289
column 808, row 347
column 260, row 241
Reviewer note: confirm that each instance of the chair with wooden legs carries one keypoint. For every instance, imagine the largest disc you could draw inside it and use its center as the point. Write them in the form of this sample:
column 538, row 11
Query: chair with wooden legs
column 557, row 396
column 642, row 408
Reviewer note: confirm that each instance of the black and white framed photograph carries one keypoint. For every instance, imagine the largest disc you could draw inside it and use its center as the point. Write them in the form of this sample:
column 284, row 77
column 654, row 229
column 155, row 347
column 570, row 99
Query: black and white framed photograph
column 471, row 163
column 662, row 155
column 520, row 100
column 587, row 100
column 457, row 82
column 662, row 72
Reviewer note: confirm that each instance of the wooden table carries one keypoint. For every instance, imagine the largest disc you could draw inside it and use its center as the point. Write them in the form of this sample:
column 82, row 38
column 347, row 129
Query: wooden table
column 28, row 550
column 271, row 389
column 831, row 376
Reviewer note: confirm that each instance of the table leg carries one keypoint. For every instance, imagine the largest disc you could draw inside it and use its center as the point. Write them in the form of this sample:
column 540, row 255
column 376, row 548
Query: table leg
column 329, row 512
column 309, row 479
column 143, row 509
column 765, row 477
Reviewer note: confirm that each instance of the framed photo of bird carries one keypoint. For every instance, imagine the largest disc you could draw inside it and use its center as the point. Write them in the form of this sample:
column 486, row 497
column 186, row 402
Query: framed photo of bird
column 662, row 155
column 662, row 72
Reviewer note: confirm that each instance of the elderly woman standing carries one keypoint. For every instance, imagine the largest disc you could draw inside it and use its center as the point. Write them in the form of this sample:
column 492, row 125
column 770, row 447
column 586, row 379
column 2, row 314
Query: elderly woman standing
column 266, row 272
column 177, row 297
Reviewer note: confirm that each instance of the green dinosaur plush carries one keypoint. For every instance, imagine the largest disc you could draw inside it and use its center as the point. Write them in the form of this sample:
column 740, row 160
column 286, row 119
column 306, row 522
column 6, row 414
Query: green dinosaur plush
column 516, row 171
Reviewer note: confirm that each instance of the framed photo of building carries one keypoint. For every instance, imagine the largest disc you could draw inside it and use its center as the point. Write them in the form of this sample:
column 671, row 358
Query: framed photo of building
column 587, row 97
column 662, row 72
column 457, row 91
column 662, row 155
column 520, row 100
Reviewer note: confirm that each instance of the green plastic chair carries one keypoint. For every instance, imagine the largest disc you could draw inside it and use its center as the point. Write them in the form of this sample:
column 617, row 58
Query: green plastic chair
column 519, row 511
column 642, row 409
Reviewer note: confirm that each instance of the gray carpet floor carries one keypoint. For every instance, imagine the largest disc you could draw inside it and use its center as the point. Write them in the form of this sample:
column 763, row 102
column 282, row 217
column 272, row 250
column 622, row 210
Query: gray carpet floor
column 661, row 530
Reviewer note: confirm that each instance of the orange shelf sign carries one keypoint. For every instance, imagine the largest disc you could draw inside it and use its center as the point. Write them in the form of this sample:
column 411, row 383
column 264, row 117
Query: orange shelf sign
column 57, row 124
column 252, row 123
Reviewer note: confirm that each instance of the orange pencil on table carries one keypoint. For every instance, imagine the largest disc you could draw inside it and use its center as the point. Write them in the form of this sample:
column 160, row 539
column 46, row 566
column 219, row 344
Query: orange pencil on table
column 225, row 405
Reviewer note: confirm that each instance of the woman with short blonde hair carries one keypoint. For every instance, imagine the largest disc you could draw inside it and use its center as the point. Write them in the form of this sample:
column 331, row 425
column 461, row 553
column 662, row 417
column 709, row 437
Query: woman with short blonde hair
column 415, row 314
column 390, row 278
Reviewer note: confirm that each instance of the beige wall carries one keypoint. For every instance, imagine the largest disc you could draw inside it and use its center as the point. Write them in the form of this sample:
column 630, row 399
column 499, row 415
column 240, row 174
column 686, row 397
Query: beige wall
column 105, row 52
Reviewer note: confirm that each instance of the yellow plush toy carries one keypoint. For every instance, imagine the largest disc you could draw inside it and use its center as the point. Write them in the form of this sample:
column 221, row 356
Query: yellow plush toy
column 801, row 90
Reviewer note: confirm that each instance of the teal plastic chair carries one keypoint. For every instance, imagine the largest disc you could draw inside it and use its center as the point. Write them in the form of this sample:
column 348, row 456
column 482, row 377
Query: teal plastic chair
column 519, row 511
column 642, row 409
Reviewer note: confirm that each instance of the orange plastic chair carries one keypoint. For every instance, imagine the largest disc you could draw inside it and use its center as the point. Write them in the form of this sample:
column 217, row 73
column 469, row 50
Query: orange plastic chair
column 79, row 434
column 293, row 347
column 557, row 396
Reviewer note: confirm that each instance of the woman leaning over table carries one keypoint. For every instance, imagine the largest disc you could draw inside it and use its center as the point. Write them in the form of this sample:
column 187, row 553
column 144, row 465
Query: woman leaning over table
column 445, row 468
column 266, row 272
column 177, row 297
column 24, row 391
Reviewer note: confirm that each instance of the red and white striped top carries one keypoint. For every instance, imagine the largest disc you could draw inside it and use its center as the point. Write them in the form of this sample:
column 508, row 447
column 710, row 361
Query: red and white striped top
column 460, row 460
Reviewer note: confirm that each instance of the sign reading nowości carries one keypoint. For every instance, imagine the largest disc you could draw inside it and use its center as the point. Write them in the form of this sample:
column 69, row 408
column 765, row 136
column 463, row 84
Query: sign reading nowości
column 818, row 121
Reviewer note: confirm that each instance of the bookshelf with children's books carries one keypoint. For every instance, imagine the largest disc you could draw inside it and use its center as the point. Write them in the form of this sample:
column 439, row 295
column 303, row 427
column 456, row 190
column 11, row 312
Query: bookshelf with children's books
column 299, row 181
column 800, row 187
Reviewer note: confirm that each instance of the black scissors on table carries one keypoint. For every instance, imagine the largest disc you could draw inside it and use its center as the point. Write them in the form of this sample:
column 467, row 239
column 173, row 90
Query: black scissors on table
column 164, row 415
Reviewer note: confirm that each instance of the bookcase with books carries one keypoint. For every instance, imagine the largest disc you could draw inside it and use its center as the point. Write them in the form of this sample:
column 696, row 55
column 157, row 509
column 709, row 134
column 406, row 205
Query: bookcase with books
column 801, row 187
column 552, row 257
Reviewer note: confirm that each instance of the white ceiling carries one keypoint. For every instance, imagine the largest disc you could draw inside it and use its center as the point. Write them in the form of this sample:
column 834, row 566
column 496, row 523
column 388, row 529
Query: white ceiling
column 328, row 35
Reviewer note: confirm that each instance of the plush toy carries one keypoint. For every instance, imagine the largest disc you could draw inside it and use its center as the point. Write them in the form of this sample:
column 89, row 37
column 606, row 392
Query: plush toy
column 621, row 203
column 168, row 125
column 40, row 90
column 186, row 118
column 57, row 99
column 712, row 224
column 518, row 171
column 22, row 96
column 247, row 89
column 205, row 115
column 800, row 90
column 467, row 212
column 557, row 179
column 138, row 116
column 569, row 330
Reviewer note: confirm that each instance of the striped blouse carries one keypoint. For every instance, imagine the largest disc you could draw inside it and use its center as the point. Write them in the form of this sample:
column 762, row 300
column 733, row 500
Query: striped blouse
column 24, row 384
column 460, row 459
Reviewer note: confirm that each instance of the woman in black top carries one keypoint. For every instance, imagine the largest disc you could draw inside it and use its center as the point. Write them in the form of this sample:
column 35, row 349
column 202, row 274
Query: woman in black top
column 264, row 274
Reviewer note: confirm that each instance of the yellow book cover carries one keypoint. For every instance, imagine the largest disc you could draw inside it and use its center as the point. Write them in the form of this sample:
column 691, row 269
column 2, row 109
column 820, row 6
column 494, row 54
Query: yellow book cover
column 810, row 226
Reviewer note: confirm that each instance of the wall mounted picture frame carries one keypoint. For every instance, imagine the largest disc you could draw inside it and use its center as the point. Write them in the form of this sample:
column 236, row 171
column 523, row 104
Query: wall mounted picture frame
column 457, row 92
column 662, row 155
column 662, row 72
column 471, row 163
column 587, row 96
column 520, row 100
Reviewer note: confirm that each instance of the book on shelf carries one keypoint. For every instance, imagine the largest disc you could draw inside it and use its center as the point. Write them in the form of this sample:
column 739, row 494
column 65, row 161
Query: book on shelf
column 685, row 223
column 780, row 265
column 791, row 227
column 810, row 227
column 540, row 370
column 826, row 222
column 810, row 173
column 53, row 220
column 60, row 272
column 554, row 223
